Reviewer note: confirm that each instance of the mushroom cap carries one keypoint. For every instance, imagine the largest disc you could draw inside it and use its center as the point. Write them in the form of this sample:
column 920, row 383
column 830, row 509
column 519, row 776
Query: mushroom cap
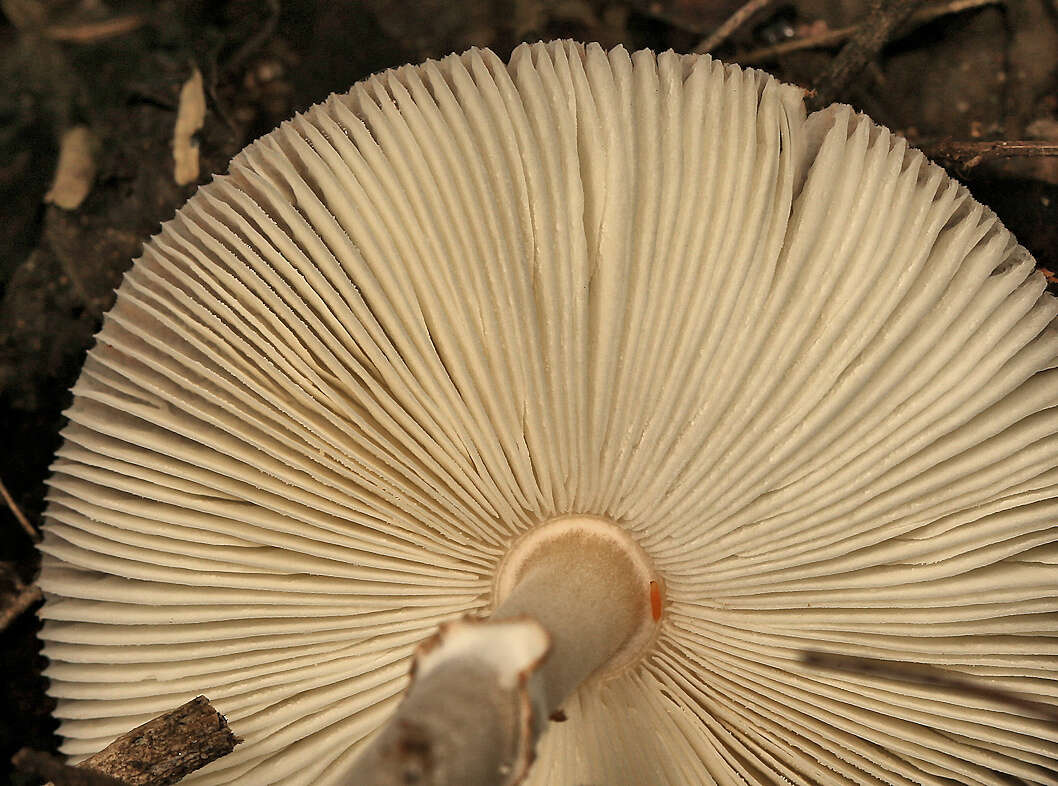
column 797, row 363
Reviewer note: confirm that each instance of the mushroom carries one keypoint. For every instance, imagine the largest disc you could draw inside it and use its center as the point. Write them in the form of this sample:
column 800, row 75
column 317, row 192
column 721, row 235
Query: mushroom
column 679, row 380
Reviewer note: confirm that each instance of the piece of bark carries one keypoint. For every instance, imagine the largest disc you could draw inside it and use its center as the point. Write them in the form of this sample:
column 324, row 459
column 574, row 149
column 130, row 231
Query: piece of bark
column 44, row 765
column 164, row 750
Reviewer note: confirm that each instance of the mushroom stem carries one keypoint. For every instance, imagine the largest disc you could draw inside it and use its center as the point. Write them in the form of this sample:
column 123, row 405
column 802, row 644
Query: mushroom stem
column 591, row 595
column 482, row 690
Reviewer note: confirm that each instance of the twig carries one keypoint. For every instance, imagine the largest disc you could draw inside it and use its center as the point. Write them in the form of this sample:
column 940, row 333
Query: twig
column 17, row 511
column 883, row 19
column 733, row 23
column 164, row 750
column 46, row 766
column 964, row 156
column 925, row 674
column 90, row 32
column 823, row 40
column 257, row 40
column 24, row 598
column 215, row 70
column 832, row 38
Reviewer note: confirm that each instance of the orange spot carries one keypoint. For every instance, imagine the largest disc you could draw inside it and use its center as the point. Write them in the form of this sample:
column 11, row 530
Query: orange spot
column 655, row 600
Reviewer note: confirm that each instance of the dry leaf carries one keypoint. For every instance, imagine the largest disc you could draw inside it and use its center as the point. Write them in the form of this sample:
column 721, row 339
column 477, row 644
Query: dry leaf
column 190, row 115
column 76, row 169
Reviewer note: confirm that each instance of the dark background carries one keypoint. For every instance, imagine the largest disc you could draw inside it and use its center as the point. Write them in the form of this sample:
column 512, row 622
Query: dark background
column 975, row 71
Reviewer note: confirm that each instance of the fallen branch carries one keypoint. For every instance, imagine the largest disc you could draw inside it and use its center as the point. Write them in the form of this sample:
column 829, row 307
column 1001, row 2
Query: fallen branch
column 44, row 765
column 20, row 602
column 164, row 750
column 732, row 24
column 964, row 156
column 17, row 512
column 832, row 38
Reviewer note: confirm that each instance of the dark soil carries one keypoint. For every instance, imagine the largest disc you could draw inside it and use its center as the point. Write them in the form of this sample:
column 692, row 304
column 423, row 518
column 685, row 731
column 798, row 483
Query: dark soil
column 975, row 74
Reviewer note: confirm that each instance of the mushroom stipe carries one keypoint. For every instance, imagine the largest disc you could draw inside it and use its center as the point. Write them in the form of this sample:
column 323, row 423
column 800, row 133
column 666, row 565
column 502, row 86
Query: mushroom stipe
column 619, row 379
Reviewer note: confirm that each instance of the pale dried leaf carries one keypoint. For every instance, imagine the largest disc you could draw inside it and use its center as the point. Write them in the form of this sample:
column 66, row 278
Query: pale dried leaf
column 76, row 169
column 190, row 116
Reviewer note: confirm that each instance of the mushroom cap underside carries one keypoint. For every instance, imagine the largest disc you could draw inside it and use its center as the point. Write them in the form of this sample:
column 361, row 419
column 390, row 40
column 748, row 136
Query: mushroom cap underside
column 799, row 365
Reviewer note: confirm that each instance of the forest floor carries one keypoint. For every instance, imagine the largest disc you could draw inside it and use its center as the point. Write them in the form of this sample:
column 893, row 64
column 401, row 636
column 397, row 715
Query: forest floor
column 974, row 83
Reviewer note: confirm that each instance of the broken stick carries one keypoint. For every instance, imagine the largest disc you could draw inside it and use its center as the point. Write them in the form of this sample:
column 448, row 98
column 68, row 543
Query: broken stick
column 164, row 750
column 158, row 753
